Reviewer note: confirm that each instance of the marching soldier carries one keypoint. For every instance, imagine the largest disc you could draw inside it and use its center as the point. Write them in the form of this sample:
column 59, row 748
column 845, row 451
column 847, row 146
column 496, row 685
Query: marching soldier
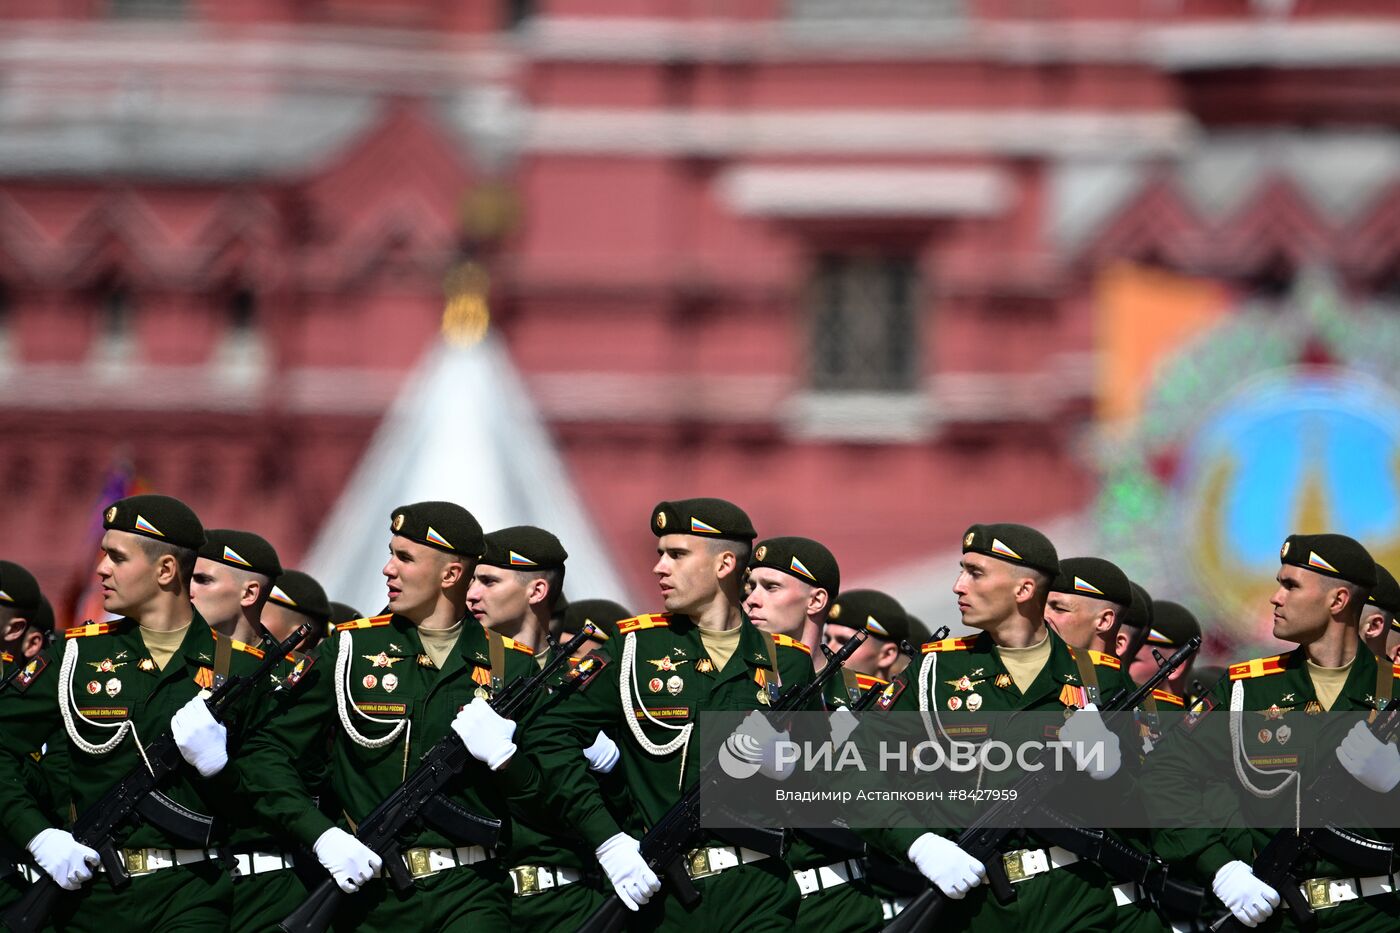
column 661, row 672
column 1323, row 584
column 296, row 599
column 792, row 584
column 380, row 693
column 1380, row 618
column 1014, row 663
column 232, row 581
column 120, row 685
column 22, row 632
column 512, row 594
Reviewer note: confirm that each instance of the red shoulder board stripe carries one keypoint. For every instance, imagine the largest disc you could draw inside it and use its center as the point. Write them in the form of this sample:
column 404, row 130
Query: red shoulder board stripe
column 949, row 644
column 375, row 622
column 1395, row 669
column 1259, row 667
column 1105, row 660
column 6, row 657
column 785, row 641
column 1167, row 696
column 96, row 628
column 638, row 623
column 514, row 645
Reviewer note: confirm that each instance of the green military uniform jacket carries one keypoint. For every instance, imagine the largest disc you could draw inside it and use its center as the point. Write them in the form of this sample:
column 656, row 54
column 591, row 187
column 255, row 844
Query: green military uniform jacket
column 657, row 680
column 375, row 697
column 113, row 687
column 1193, row 772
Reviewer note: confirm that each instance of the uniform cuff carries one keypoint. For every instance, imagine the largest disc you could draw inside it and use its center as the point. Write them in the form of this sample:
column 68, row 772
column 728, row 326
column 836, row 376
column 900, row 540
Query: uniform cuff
column 24, row 825
column 1213, row 859
column 309, row 825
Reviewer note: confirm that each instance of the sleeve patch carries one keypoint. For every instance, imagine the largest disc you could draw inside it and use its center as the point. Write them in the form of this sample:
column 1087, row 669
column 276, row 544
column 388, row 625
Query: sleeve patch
column 582, row 671
column 31, row 672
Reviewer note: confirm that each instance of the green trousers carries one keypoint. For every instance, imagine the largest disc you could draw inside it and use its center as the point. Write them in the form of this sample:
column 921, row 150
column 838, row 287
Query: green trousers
column 849, row 908
column 556, row 909
column 262, row 901
column 759, row 897
column 471, row 899
column 188, row 899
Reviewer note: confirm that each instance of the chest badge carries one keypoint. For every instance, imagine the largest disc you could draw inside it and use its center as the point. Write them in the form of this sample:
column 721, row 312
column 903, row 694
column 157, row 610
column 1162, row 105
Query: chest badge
column 964, row 683
column 665, row 664
column 380, row 660
column 674, row 685
column 1265, row 736
column 425, row 661
column 655, row 684
column 1283, row 733
column 704, row 666
column 1003, row 681
column 94, row 687
column 113, row 687
column 146, row 664
column 370, row 681
column 390, row 682
column 974, row 702
column 106, row 665
column 955, row 703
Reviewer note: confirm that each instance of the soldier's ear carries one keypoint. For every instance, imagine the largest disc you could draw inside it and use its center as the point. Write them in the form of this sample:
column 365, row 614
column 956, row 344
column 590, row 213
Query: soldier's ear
column 167, row 569
column 453, row 572
column 252, row 592
column 1105, row 620
column 818, row 601
column 537, row 590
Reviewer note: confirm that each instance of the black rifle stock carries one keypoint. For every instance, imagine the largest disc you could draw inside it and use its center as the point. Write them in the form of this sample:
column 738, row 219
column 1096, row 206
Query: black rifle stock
column 98, row 826
column 420, row 799
column 1275, row 862
column 664, row 845
column 984, row 838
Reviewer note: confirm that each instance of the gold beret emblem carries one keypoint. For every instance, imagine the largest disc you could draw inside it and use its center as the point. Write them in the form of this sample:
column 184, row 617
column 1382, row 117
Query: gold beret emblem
column 762, row 552
column 398, row 521
column 111, row 515
column 967, row 542
column 835, row 612
column 1283, row 552
column 660, row 519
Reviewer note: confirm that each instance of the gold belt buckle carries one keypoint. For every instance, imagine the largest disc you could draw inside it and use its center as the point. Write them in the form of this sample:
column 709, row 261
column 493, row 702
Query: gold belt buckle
column 417, row 862
column 137, row 862
column 1015, row 866
column 697, row 864
column 1319, row 893
column 527, row 880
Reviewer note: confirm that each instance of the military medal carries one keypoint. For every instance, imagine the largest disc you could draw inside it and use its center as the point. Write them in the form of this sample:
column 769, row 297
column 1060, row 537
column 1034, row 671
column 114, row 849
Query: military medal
column 674, row 685
column 704, row 666
column 1003, row 681
column 114, row 687
column 1283, row 734
column 390, row 682
column 481, row 693
column 763, row 697
column 146, row 664
column 1264, row 736
column 94, row 687
column 974, row 702
column 425, row 661
column 370, row 681
column 655, row 685
column 954, row 703
column 1313, row 708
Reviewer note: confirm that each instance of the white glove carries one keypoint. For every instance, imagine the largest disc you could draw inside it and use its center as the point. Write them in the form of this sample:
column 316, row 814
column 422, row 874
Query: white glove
column 843, row 722
column 1249, row 899
column 202, row 739
column 1085, row 729
column 944, row 863
column 485, row 733
column 350, row 862
column 1374, row 763
column 631, row 877
column 66, row 860
column 602, row 755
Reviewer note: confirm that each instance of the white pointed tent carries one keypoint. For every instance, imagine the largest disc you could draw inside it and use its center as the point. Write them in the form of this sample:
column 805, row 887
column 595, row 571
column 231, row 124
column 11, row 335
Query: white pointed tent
column 463, row 429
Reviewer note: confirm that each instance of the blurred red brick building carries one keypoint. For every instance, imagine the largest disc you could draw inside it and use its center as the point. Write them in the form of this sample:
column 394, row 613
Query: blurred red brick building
column 832, row 259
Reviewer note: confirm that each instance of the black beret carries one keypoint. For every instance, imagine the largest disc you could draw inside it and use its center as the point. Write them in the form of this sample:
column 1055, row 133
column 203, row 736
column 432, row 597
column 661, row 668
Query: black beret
column 1139, row 614
column 300, row 592
column 159, row 517
column 344, row 612
column 1016, row 544
column 43, row 616
column 1093, row 577
column 1173, row 625
column 241, row 549
column 1331, row 555
column 1385, row 596
column 603, row 613
column 711, row 518
column 919, row 633
column 877, row 613
column 524, row 547
column 803, row 558
column 18, row 589
column 442, row 525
